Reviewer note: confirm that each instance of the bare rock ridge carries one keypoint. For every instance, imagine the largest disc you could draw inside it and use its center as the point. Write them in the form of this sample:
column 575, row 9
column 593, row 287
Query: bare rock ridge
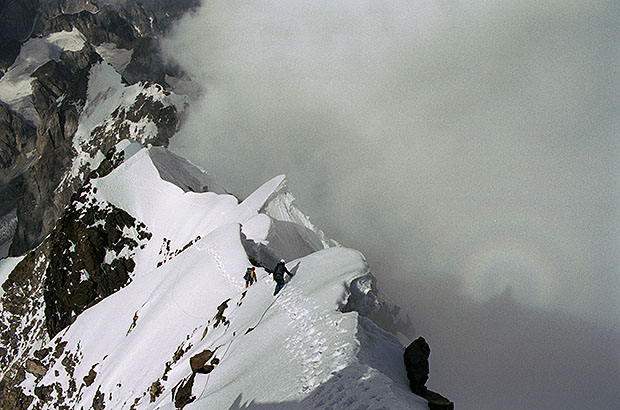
column 41, row 202
column 416, row 362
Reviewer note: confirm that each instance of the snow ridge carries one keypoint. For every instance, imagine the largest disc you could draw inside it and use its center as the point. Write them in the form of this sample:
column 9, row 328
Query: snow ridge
column 307, row 348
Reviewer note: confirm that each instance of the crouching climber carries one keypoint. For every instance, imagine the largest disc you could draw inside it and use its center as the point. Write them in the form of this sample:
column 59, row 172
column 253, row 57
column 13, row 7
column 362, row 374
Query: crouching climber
column 250, row 276
column 278, row 275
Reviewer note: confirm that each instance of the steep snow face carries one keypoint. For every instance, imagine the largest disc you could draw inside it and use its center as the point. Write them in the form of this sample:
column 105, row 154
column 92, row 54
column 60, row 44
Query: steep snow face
column 182, row 173
column 176, row 218
column 15, row 88
column 118, row 58
column 306, row 348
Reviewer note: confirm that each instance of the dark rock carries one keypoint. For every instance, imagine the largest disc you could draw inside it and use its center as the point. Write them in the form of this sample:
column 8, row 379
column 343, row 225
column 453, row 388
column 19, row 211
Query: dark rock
column 9, row 193
column 60, row 348
column 219, row 316
column 416, row 362
column 122, row 23
column 78, row 276
column 16, row 22
column 106, row 26
column 98, row 400
column 21, row 304
column 17, row 141
column 35, row 367
column 17, row 138
column 44, row 393
column 59, row 288
column 155, row 390
column 89, row 379
column 59, row 93
column 198, row 362
column 43, row 198
column 437, row 402
column 42, row 353
column 11, row 395
column 182, row 392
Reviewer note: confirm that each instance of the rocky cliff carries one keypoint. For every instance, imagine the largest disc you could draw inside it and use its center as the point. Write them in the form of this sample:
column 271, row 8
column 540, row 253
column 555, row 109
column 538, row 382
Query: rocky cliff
column 37, row 168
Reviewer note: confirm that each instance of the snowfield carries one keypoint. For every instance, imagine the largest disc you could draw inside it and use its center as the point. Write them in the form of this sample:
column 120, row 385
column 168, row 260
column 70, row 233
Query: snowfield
column 307, row 348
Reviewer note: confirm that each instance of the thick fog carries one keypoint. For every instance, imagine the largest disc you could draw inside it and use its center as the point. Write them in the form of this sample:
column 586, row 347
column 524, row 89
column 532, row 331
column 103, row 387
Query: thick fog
column 468, row 148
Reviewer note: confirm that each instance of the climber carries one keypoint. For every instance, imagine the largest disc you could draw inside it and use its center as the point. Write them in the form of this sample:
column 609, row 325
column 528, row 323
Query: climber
column 250, row 276
column 278, row 275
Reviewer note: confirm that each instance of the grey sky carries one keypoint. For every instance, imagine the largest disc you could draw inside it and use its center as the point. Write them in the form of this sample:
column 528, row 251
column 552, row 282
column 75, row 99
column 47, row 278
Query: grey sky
column 472, row 144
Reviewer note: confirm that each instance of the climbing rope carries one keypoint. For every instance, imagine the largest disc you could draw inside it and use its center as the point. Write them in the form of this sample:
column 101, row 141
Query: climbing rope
column 232, row 340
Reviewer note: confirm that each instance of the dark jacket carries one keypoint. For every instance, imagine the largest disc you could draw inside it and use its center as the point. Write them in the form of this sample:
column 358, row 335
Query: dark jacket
column 279, row 271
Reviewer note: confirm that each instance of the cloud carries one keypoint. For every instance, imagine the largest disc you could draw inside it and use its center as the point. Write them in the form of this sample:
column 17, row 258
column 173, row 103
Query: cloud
column 499, row 354
column 471, row 141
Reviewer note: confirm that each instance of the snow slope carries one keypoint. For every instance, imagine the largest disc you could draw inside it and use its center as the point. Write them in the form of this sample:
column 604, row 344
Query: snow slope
column 307, row 348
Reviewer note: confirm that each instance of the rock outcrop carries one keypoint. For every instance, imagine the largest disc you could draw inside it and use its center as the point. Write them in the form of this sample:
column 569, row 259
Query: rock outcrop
column 87, row 257
column 60, row 93
column 17, row 142
column 43, row 199
column 131, row 25
column 16, row 21
column 416, row 362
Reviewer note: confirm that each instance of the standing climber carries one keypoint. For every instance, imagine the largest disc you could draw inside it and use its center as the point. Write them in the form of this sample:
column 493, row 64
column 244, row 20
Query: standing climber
column 250, row 276
column 278, row 275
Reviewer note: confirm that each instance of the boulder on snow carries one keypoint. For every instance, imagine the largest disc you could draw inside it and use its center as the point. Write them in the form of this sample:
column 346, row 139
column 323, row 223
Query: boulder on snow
column 182, row 392
column 198, row 362
column 416, row 363
column 35, row 367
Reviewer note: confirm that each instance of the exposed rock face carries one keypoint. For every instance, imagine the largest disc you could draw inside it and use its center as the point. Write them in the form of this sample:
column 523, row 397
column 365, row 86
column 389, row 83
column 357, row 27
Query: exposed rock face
column 59, row 94
column 17, row 139
column 145, row 108
column 182, row 392
column 16, row 21
column 87, row 257
column 42, row 200
column 106, row 26
column 416, row 362
column 78, row 275
column 17, row 142
column 130, row 25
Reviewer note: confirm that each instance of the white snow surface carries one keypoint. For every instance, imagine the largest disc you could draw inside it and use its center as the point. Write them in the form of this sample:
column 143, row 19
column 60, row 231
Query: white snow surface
column 294, row 351
column 15, row 88
column 6, row 266
column 118, row 58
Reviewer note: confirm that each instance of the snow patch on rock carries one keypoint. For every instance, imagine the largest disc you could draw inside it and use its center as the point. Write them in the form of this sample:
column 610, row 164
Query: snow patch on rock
column 15, row 88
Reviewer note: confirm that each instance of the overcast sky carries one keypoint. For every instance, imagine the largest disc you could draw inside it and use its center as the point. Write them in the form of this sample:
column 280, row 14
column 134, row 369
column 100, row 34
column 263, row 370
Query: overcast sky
column 469, row 149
